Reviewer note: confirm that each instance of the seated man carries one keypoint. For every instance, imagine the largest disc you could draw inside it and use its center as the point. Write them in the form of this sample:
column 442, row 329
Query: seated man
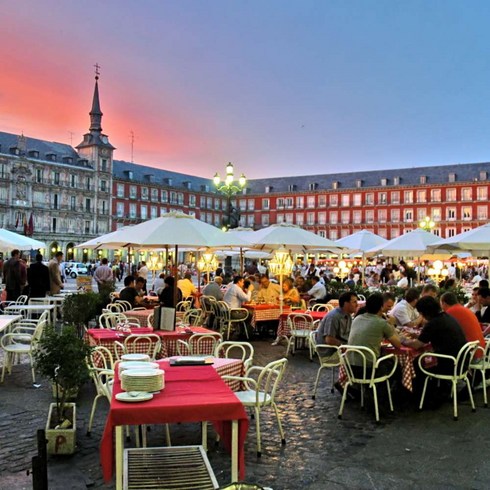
column 483, row 314
column 405, row 313
column 169, row 297
column 213, row 288
column 269, row 292
column 369, row 329
column 429, row 290
column 187, row 286
column 235, row 296
column 129, row 292
column 318, row 290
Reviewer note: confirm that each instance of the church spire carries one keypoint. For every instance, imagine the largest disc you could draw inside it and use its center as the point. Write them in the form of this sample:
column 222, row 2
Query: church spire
column 96, row 113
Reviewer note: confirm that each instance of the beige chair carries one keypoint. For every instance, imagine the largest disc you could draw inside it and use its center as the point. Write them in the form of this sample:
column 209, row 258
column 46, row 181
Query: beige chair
column 230, row 318
column 300, row 327
column 209, row 305
column 149, row 344
column 116, row 307
column 20, row 342
column 199, row 344
column 366, row 360
column 319, row 307
column 236, row 350
column 332, row 361
column 261, row 392
column 194, row 317
column 483, row 365
column 110, row 319
column 461, row 367
column 125, row 304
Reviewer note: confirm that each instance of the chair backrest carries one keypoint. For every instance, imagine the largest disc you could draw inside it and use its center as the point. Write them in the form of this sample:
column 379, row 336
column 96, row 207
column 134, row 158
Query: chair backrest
column 319, row 307
column 22, row 300
column 125, row 304
column 464, row 357
column 109, row 320
column 116, row 307
column 182, row 306
column 101, row 358
column 300, row 321
column 38, row 333
column 330, row 307
column 150, row 319
column 361, row 297
column 270, row 377
column 360, row 357
column 203, row 344
column 143, row 344
column 325, row 360
column 236, row 350
column 208, row 304
column 193, row 317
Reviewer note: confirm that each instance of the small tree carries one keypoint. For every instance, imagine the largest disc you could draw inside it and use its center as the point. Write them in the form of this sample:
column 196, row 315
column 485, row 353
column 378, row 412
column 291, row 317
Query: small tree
column 79, row 309
column 62, row 357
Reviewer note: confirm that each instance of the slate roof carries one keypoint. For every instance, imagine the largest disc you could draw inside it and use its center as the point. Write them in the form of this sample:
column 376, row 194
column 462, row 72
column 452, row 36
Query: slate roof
column 465, row 172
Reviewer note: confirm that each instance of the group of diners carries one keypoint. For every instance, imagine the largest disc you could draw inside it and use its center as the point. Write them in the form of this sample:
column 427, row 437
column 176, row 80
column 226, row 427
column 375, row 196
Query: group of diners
column 420, row 320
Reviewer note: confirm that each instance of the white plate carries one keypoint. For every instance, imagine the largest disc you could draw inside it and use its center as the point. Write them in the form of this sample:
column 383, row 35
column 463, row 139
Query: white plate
column 135, row 357
column 126, row 397
column 137, row 365
column 143, row 373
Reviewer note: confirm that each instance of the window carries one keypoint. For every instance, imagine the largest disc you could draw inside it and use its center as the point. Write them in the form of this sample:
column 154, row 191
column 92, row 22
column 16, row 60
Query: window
column 335, row 185
column 452, row 177
column 467, row 194
column 265, row 204
column 55, row 201
column 345, row 200
column 451, row 214
column 334, row 200
column 120, row 190
column 144, row 193
column 395, row 197
column 217, row 204
column 250, row 220
column 251, row 204
column 154, row 195
column 423, row 179
column 73, row 203
column 265, row 220
column 120, row 210
column 104, row 207
column 39, row 175
column 322, row 218
column 384, row 182
column 345, row 217
column 300, row 202
column 483, row 175
column 280, row 203
column 334, row 234
column 310, row 202
column 322, row 201
column 382, row 232
column 289, row 218
column 482, row 212
column 321, row 233
column 289, row 202
column 132, row 210
column 408, row 215
column 73, row 180
column 300, row 219
column 370, row 216
column 87, row 226
column 435, row 195
column 103, row 185
column 334, row 217
column 88, row 205
column 450, row 232
column 370, row 199
column 103, row 165
column 436, row 214
column 382, row 198
column 310, row 219
column 163, row 211
column 89, row 183
column 356, row 217
column 57, row 178
column 192, row 200
column 132, row 192
column 357, row 199
column 422, row 195
column 164, row 197
column 180, row 198
column 451, row 195
column 382, row 214
column 466, row 211
column 408, row 197
column 243, row 204
column 154, row 212
column 358, row 183
column 144, row 211
column 280, row 218
column 395, row 215
column 396, row 180
column 421, row 213
column 482, row 193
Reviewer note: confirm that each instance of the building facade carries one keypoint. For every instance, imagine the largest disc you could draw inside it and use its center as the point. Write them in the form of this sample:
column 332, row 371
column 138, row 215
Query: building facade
column 64, row 195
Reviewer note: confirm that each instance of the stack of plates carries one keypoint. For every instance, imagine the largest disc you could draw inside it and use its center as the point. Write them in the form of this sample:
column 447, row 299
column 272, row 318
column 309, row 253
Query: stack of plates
column 142, row 380
column 124, row 365
column 135, row 357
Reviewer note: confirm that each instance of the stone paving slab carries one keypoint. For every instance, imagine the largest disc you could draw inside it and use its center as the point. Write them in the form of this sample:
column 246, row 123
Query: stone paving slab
column 409, row 449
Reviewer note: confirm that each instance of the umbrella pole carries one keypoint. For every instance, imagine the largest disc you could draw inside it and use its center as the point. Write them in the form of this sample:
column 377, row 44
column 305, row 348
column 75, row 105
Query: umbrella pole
column 129, row 261
column 176, row 277
column 166, row 259
column 418, row 270
column 241, row 261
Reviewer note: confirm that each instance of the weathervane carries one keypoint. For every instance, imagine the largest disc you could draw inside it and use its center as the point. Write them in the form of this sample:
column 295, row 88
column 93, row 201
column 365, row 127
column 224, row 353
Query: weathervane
column 97, row 72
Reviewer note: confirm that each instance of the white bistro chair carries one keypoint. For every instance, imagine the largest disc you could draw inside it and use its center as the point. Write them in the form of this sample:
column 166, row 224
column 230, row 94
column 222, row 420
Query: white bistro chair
column 332, row 361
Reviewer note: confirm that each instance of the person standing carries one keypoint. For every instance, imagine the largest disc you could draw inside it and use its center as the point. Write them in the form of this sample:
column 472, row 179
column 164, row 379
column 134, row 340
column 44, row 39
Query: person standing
column 103, row 274
column 38, row 278
column 56, row 284
column 14, row 276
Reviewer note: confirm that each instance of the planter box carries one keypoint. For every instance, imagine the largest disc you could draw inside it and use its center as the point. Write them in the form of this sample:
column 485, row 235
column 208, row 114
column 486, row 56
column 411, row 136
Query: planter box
column 61, row 441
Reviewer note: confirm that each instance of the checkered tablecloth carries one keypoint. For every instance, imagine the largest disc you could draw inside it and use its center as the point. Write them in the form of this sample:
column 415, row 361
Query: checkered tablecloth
column 141, row 315
column 264, row 313
column 107, row 337
column 283, row 329
column 405, row 356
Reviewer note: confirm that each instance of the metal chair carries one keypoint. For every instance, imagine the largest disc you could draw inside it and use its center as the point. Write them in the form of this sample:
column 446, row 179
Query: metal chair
column 116, row 307
column 229, row 318
column 261, row 392
column 319, row 307
column 482, row 365
column 461, row 366
column 300, row 327
column 331, row 361
column 149, row 344
column 236, row 350
column 194, row 317
column 199, row 344
column 125, row 304
column 365, row 360
column 208, row 305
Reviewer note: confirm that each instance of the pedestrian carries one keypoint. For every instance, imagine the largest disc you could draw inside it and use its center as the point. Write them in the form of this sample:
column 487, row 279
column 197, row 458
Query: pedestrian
column 14, row 276
column 103, row 274
column 38, row 278
column 55, row 281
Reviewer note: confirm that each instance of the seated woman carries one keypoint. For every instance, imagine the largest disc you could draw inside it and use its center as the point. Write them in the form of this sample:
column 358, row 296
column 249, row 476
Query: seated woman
column 291, row 295
column 167, row 296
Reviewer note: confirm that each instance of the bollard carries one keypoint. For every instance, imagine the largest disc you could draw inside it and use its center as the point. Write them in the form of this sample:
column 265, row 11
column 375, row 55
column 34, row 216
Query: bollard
column 40, row 463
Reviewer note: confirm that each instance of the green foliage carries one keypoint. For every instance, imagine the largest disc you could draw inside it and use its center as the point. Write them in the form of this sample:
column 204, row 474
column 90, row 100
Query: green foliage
column 79, row 309
column 105, row 295
column 62, row 358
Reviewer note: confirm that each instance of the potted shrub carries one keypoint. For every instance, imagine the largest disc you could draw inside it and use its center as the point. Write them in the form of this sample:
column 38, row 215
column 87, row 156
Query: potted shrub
column 62, row 358
column 79, row 309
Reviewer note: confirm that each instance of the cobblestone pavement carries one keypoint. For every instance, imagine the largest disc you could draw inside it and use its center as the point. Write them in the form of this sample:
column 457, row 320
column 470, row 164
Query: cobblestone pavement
column 409, row 449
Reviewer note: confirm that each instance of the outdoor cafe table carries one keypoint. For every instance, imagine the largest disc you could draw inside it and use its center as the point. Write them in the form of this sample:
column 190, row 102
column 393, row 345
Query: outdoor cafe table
column 28, row 310
column 57, row 301
column 191, row 394
column 141, row 315
column 283, row 328
column 7, row 320
column 106, row 337
column 264, row 312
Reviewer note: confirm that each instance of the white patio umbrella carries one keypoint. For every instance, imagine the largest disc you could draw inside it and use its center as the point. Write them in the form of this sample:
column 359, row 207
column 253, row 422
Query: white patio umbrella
column 108, row 241
column 10, row 240
column 475, row 241
column 360, row 242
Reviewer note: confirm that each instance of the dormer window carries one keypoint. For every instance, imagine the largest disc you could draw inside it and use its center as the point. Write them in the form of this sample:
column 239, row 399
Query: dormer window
column 359, row 183
column 268, row 189
column 452, row 177
column 483, row 175
column 187, row 184
column 335, row 185
column 204, row 188
column 149, row 177
column 396, row 180
column 384, row 182
column 313, row 186
column 167, row 181
column 14, row 150
column 67, row 160
column 33, row 154
column 128, row 174
column 51, row 157
column 423, row 179
column 292, row 187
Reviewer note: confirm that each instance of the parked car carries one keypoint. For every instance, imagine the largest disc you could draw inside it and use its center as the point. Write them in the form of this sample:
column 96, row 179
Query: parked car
column 75, row 269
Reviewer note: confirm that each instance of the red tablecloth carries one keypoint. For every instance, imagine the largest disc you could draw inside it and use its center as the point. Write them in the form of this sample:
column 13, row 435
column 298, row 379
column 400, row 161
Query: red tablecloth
column 141, row 315
column 283, row 328
column 107, row 337
column 191, row 394
column 264, row 313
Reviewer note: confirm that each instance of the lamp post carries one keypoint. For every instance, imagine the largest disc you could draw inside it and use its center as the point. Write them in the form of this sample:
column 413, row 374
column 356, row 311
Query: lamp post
column 427, row 224
column 207, row 263
column 281, row 265
column 229, row 187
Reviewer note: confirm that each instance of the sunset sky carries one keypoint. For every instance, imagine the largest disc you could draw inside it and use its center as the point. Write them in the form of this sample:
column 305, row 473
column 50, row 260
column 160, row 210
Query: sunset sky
column 278, row 87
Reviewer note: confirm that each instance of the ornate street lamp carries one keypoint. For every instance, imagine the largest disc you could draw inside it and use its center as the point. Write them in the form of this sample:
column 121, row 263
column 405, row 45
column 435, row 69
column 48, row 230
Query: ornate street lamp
column 207, row 263
column 427, row 224
column 229, row 188
column 281, row 265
